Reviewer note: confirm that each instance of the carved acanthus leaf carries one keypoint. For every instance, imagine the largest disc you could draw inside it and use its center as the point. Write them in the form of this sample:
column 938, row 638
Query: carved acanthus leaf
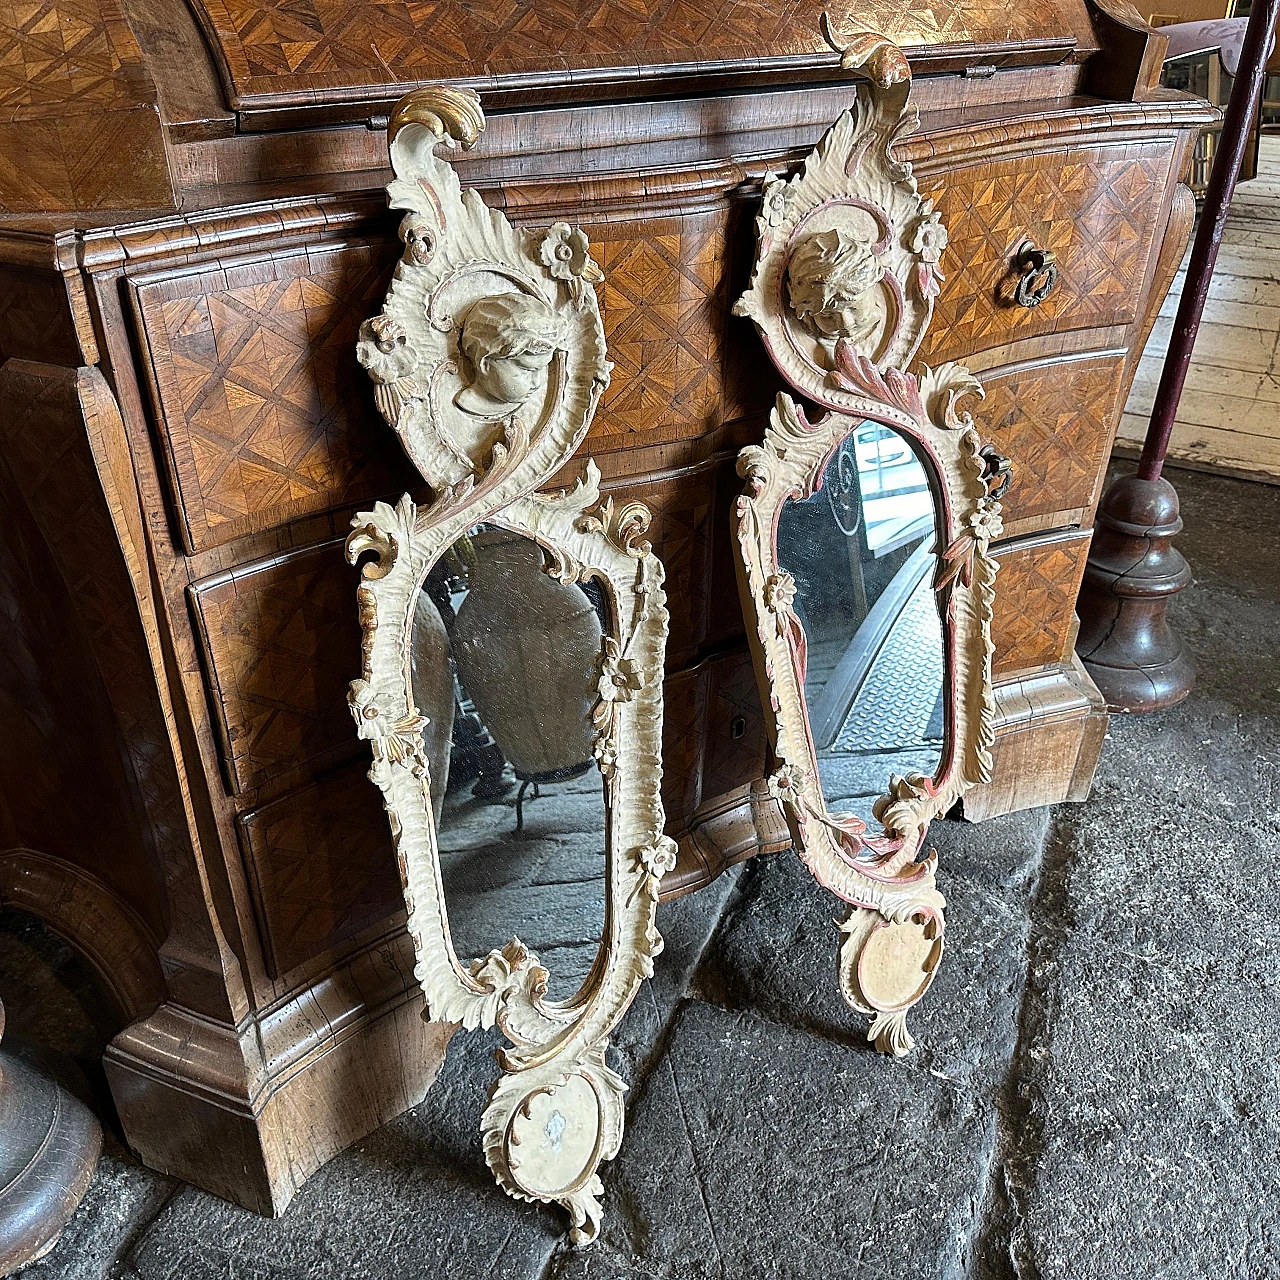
column 382, row 531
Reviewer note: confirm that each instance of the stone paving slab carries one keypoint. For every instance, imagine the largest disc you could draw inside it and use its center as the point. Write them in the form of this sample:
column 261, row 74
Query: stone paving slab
column 1095, row 1091
column 773, row 1141
column 1148, row 1101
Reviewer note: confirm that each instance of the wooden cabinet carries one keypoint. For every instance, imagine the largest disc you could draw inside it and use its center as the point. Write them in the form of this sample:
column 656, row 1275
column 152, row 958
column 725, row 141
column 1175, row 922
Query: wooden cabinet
column 185, row 435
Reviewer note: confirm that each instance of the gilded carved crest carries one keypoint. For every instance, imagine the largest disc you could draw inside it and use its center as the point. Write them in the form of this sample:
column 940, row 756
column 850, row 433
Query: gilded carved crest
column 847, row 269
column 488, row 360
column 490, row 336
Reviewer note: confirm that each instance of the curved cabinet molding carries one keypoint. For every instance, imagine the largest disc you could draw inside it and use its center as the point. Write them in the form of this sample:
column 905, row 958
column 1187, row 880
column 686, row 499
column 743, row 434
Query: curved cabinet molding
column 846, row 273
column 488, row 360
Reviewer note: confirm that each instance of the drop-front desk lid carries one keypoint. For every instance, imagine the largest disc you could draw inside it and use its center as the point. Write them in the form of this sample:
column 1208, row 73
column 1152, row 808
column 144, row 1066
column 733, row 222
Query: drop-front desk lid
column 348, row 56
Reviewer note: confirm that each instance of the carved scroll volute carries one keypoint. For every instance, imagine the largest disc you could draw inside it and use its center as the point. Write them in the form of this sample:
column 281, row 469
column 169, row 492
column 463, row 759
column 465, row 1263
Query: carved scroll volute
column 847, row 269
column 488, row 360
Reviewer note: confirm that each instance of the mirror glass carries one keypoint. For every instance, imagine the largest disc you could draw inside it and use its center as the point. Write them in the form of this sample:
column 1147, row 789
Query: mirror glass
column 861, row 550
column 505, row 664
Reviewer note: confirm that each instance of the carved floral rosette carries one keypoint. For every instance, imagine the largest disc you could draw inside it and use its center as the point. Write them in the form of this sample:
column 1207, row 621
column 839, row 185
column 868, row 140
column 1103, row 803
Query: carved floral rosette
column 554, row 1071
column 849, row 188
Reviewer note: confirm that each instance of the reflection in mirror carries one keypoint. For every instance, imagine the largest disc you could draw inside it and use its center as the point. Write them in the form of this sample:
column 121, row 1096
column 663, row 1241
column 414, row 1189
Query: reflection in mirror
column 505, row 665
column 861, row 551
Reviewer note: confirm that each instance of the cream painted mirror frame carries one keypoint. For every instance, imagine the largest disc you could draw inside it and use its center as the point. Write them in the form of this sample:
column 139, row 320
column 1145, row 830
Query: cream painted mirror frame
column 842, row 292
column 484, row 439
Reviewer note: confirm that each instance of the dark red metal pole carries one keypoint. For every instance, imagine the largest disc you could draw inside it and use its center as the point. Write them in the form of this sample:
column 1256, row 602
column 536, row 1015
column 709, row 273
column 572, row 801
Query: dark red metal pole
column 1245, row 92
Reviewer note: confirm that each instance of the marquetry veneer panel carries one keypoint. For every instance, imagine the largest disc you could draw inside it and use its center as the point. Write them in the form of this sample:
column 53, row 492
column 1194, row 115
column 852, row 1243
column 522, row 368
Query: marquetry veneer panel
column 321, row 866
column 713, row 733
column 264, row 413
column 1095, row 208
column 280, row 642
column 274, row 51
column 1035, row 609
column 79, row 127
column 664, row 303
column 1054, row 423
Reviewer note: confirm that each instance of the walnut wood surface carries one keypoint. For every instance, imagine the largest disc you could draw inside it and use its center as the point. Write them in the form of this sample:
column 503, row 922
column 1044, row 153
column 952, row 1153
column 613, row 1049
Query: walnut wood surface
column 79, row 128
column 1034, row 623
column 353, row 52
column 1096, row 208
column 1053, row 420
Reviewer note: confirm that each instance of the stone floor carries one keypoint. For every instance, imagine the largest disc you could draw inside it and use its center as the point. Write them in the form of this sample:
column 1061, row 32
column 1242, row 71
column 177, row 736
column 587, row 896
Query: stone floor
column 1095, row 1093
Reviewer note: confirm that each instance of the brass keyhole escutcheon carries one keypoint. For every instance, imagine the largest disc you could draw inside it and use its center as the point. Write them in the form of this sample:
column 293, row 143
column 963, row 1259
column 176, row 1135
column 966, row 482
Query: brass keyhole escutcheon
column 1039, row 277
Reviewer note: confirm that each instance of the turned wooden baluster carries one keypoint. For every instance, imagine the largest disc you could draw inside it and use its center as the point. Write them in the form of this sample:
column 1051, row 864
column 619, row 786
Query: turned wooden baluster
column 1134, row 657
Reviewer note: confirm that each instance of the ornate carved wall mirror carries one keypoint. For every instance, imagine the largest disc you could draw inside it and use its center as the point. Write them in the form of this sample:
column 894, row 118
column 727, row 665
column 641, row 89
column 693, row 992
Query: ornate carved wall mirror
column 511, row 685
column 864, row 543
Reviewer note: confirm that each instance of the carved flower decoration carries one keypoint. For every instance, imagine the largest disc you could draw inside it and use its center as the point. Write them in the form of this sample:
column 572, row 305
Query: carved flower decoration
column 364, row 711
column 779, row 592
column 566, row 254
column 620, row 678
column 383, row 349
column 785, row 784
column 657, row 859
column 930, row 237
column 777, row 201
column 987, row 522
column 605, row 751
column 419, row 239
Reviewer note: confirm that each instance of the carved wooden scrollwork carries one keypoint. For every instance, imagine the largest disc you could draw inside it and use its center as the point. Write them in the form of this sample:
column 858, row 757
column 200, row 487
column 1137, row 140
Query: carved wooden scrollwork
column 846, row 272
column 488, row 360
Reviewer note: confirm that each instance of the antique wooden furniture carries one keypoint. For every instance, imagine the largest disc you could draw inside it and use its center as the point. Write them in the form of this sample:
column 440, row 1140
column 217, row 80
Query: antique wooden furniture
column 488, row 362
column 49, row 1144
column 195, row 227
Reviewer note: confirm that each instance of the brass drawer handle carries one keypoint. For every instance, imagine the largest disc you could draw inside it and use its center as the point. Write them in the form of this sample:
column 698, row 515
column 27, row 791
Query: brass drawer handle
column 1039, row 274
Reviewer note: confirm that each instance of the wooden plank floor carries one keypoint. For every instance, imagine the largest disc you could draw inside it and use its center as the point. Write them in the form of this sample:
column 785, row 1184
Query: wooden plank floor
column 1229, row 417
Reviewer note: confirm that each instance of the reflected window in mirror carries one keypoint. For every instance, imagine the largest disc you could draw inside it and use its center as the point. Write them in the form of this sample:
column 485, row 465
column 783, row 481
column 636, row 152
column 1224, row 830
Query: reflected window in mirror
column 505, row 666
column 861, row 549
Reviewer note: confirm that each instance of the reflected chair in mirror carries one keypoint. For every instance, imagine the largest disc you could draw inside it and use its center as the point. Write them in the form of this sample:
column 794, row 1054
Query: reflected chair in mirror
column 863, row 536
column 511, row 638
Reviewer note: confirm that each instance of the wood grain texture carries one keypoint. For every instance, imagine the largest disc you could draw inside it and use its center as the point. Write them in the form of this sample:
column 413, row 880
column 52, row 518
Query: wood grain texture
column 279, row 54
column 1035, row 623
column 1095, row 208
column 79, row 126
column 1049, row 735
column 1053, row 421
column 264, row 412
column 116, row 941
column 321, row 867
column 280, row 640
column 664, row 302
column 1229, row 416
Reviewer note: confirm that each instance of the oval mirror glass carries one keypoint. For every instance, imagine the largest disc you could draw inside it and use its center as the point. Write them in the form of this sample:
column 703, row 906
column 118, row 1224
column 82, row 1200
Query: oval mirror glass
column 505, row 665
column 861, row 549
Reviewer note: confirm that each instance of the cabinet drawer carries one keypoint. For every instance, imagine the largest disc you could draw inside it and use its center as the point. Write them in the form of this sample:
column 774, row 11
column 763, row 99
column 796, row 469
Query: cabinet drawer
column 321, row 866
column 262, row 411
column 1095, row 208
column 1054, row 422
column 1035, row 611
